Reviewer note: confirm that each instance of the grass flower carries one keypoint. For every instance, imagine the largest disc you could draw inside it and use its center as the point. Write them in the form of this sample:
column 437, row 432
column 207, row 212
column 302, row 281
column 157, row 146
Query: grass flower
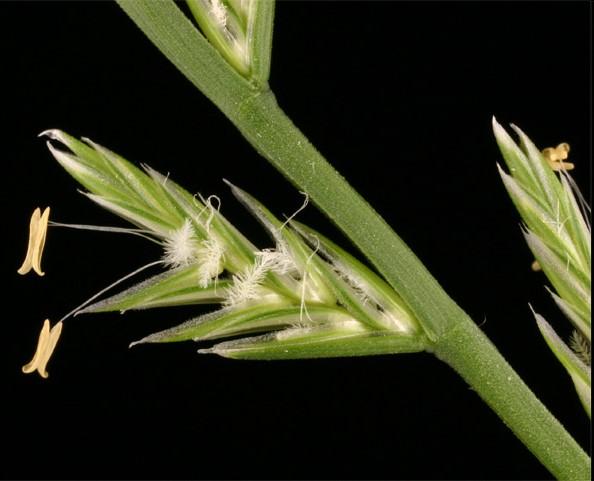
column 240, row 30
column 304, row 296
column 37, row 234
column 557, row 230
column 181, row 246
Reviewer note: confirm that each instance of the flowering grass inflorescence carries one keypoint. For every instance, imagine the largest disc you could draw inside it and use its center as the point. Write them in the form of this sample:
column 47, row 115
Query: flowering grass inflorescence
column 305, row 296
column 308, row 297
column 240, row 30
column 557, row 230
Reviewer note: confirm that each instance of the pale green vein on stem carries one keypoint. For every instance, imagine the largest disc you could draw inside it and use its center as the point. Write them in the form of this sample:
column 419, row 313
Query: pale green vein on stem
column 271, row 132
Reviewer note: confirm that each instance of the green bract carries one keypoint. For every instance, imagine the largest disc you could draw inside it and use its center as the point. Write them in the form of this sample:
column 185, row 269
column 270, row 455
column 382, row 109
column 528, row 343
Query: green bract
column 557, row 231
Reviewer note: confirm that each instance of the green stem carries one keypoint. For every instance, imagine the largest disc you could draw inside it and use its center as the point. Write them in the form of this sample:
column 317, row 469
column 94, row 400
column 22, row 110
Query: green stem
column 455, row 337
column 470, row 353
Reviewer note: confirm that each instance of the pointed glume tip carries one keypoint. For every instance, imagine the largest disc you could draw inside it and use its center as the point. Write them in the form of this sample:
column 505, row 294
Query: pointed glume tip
column 53, row 134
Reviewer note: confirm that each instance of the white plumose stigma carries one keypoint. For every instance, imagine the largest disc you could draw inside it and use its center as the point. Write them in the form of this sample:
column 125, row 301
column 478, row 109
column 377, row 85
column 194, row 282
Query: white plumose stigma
column 279, row 259
column 247, row 285
column 180, row 247
column 210, row 257
column 219, row 12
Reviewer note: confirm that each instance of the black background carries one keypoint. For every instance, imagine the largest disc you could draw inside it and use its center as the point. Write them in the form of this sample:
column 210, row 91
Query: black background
column 399, row 97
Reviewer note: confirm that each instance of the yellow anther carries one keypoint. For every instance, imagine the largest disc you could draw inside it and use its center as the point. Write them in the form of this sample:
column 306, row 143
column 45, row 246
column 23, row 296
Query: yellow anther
column 37, row 233
column 536, row 266
column 556, row 155
column 48, row 338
